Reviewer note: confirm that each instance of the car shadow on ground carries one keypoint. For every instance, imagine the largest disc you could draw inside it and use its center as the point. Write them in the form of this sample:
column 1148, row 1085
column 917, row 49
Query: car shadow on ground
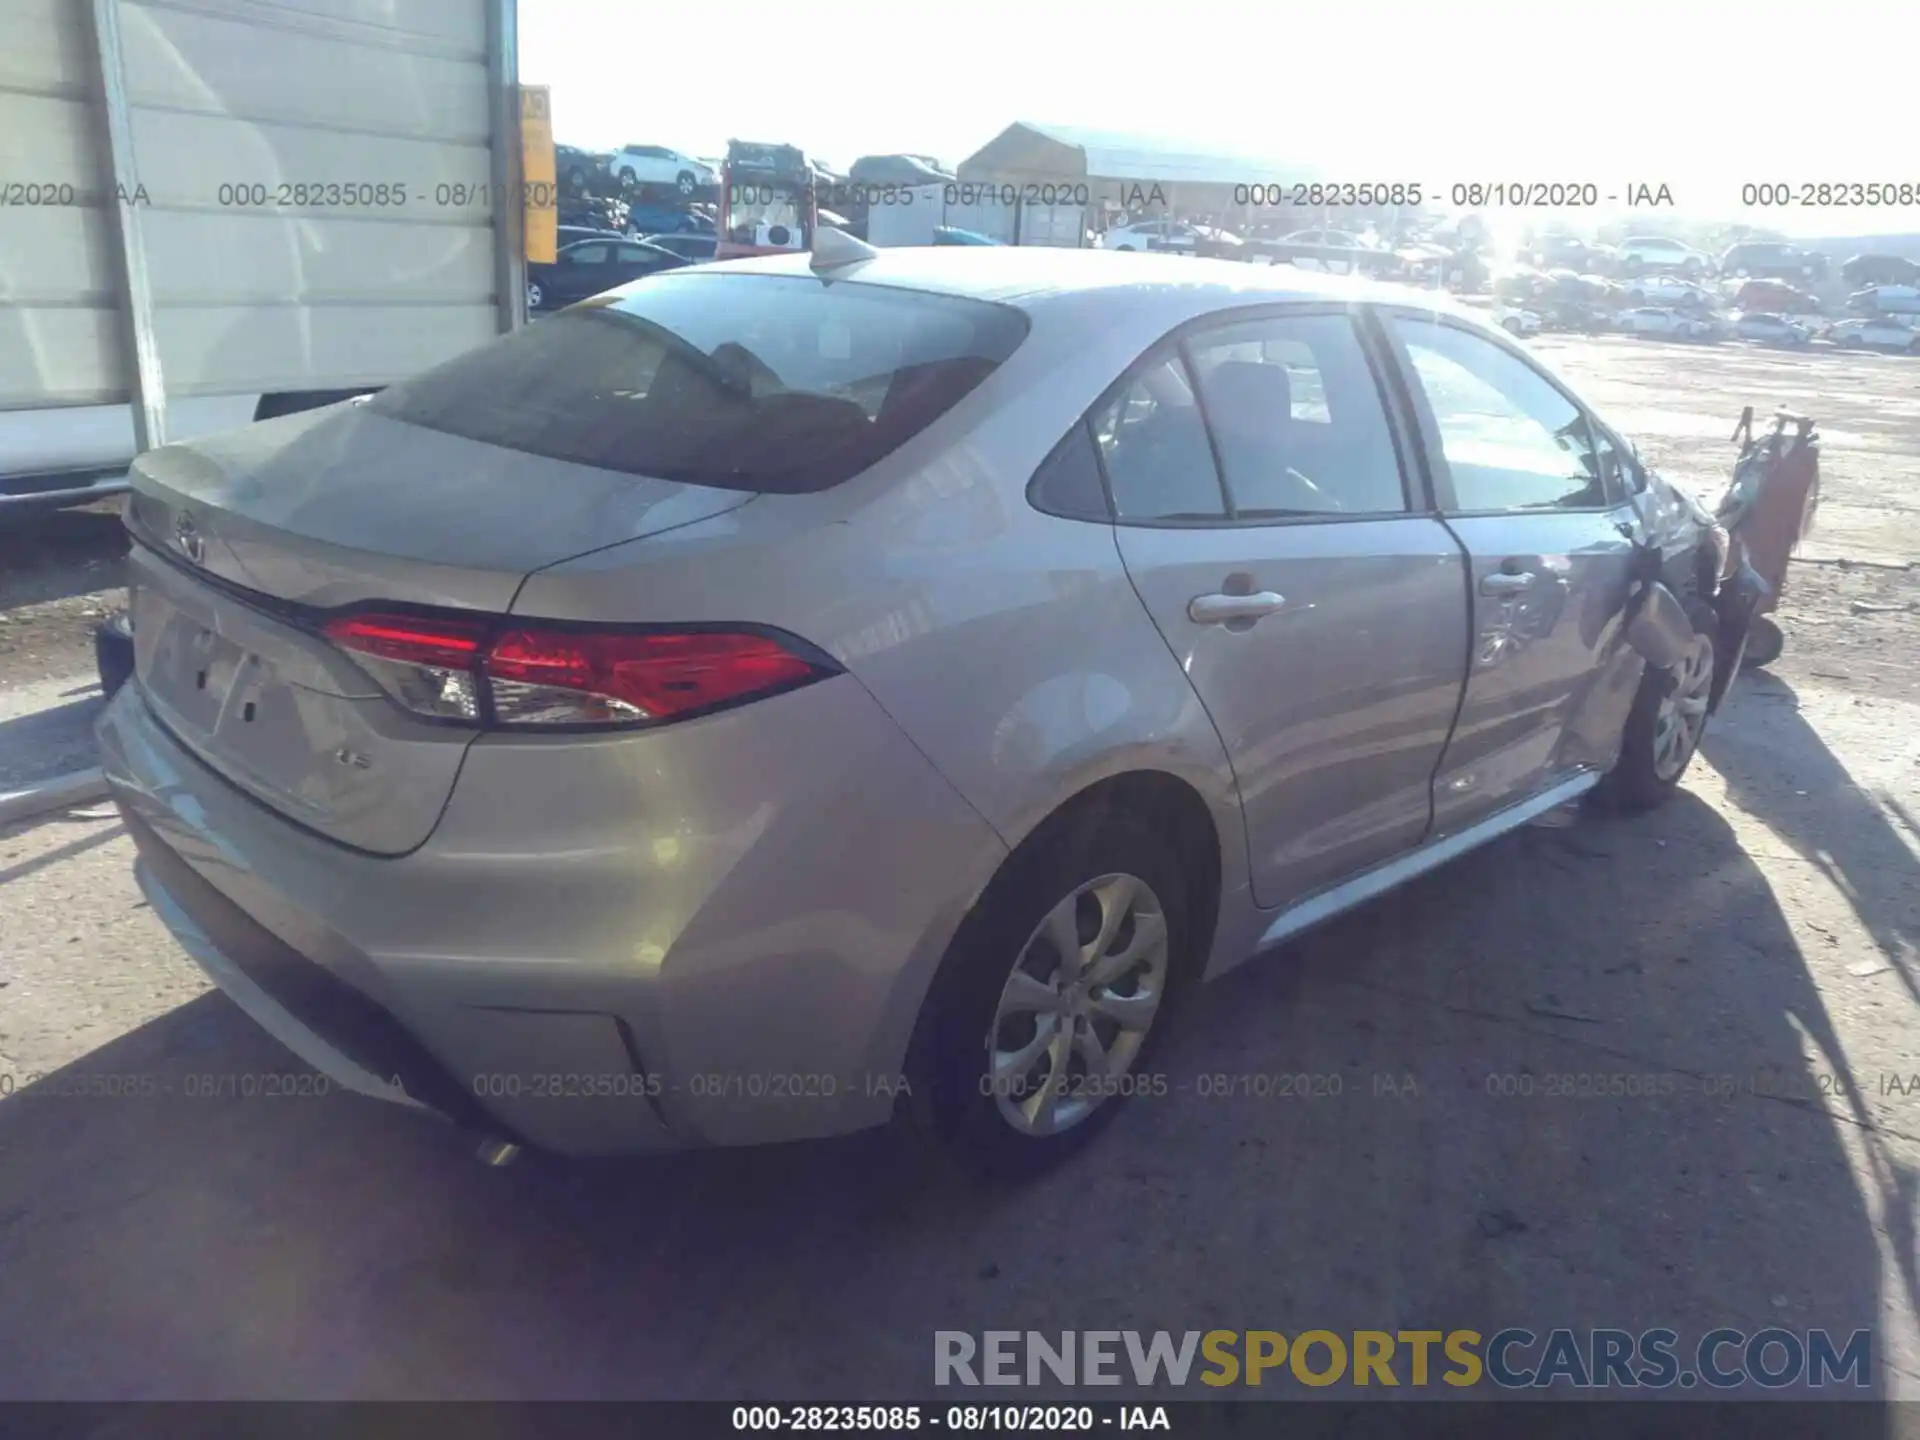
column 1778, row 769
column 1560, row 1083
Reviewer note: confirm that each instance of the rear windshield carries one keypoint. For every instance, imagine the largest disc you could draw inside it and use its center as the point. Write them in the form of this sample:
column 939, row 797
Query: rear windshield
column 744, row 382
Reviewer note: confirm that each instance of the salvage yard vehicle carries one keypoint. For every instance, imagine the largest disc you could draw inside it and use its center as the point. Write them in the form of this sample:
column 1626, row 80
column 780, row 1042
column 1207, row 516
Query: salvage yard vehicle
column 1668, row 290
column 1773, row 260
column 1515, row 320
column 877, row 685
column 1863, row 270
column 1776, row 297
column 1885, row 332
column 1640, row 254
column 1175, row 236
column 1772, row 330
column 1663, row 321
column 1885, row 300
column 638, row 165
column 587, row 267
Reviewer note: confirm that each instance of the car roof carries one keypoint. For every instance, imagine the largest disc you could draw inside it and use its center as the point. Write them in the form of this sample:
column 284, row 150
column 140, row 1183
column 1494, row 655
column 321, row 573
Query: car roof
column 1022, row 274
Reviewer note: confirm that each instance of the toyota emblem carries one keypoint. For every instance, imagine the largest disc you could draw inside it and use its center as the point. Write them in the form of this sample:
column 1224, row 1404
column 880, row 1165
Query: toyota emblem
column 187, row 536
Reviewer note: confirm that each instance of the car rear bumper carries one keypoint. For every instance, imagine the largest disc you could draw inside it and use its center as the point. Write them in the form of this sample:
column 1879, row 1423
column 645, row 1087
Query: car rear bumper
column 561, row 964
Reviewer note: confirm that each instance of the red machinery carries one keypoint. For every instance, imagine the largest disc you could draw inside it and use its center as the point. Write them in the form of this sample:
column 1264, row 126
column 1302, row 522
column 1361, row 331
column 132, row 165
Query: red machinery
column 1769, row 508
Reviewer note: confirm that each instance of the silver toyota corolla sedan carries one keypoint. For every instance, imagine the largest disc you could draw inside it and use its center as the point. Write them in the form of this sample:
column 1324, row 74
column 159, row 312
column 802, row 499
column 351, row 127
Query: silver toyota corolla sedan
column 781, row 697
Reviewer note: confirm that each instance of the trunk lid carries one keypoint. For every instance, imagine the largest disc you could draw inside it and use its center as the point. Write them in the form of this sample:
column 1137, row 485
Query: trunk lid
column 247, row 535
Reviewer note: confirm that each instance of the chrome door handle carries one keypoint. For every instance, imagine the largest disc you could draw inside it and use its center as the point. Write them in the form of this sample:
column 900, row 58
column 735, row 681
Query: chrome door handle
column 1218, row 609
column 1501, row 583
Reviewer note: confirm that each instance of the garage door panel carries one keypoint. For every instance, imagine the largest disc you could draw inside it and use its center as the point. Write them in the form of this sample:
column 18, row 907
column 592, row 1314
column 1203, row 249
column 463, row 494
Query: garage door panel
column 182, row 60
column 65, row 355
column 457, row 25
column 240, row 258
column 46, row 48
column 185, row 160
column 56, row 255
column 208, row 350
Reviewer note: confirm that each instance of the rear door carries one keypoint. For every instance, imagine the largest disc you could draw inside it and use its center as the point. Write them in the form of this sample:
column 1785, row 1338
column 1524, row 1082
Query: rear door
column 1522, row 477
column 1321, row 617
column 630, row 262
column 581, row 270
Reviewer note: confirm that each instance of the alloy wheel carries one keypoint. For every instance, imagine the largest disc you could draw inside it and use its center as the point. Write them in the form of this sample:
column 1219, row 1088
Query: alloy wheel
column 1683, row 710
column 1076, row 1009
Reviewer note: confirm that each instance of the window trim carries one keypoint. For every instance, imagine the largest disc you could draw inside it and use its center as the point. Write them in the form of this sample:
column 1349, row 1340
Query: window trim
column 1416, row 486
column 1445, row 497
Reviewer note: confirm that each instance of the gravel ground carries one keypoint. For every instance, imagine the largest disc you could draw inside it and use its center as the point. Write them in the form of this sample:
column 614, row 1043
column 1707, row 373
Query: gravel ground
column 1760, row 935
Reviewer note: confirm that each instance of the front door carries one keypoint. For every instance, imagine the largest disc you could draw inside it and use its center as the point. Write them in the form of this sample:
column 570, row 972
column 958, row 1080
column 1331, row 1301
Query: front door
column 1264, row 520
column 1525, row 480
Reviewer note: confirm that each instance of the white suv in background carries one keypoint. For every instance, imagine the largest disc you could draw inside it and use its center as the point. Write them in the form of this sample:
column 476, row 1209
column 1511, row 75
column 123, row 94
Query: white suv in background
column 1642, row 253
column 657, row 165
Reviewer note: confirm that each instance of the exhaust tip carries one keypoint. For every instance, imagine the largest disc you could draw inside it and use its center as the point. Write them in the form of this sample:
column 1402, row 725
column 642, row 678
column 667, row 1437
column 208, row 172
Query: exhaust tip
column 496, row 1153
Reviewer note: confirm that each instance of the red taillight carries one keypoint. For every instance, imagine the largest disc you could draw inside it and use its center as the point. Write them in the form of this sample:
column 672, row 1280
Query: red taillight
column 654, row 676
column 450, row 644
column 530, row 675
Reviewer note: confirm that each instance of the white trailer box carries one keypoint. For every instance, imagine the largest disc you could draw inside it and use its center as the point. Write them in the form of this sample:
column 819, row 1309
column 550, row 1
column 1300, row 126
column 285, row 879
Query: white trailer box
column 233, row 206
column 908, row 217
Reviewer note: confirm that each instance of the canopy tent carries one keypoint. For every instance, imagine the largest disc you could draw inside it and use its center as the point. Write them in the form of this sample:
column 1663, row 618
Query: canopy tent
column 1026, row 153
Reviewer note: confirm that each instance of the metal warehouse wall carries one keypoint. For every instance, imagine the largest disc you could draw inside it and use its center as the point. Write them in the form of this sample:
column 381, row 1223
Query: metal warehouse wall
column 301, row 292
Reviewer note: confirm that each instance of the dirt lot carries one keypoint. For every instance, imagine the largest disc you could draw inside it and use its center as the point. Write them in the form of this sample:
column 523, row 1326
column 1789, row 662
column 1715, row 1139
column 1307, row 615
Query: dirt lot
column 1757, row 943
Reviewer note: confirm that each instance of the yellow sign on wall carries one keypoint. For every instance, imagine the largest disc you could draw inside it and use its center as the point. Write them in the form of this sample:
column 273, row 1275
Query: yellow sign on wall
column 540, row 194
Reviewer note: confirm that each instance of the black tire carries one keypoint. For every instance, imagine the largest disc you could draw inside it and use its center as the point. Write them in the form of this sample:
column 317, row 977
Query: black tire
column 1635, row 784
column 684, row 182
column 536, row 297
column 1765, row 641
column 958, row 1111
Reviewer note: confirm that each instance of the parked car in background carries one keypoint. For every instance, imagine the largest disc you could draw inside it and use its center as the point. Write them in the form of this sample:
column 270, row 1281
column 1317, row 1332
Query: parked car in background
column 1773, row 260
column 1515, row 320
column 1863, row 270
column 951, row 235
column 1570, row 252
column 1346, row 239
column 577, row 169
column 1520, row 284
column 1886, row 300
column 657, row 165
column 737, row 719
column 1643, row 254
column 649, row 218
column 1667, row 290
column 565, row 235
column 1220, row 244
column 1883, row 332
column 1772, row 330
column 589, row 267
column 1776, row 297
column 694, row 248
column 896, row 170
column 1664, row 322
column 1174, row 236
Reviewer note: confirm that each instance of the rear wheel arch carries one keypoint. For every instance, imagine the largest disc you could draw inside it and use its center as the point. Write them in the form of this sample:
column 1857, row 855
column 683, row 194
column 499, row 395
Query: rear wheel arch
column 1168, row 804
column 1159, row 820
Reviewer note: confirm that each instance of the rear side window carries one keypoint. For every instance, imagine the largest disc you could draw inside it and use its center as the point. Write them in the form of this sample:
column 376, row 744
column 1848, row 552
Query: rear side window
column 1154, row 446
column 762, row 383
column 1297, row 418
